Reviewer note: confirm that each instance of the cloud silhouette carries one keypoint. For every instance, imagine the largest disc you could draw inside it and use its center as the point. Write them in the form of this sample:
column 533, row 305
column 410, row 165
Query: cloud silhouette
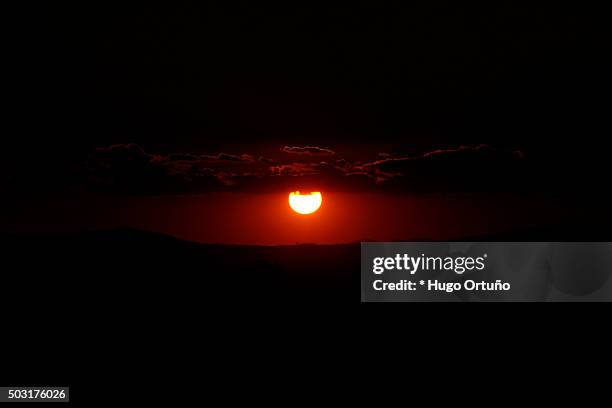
column 308, row 150
column 468, row 168
column 263, row 159
column 129, row 168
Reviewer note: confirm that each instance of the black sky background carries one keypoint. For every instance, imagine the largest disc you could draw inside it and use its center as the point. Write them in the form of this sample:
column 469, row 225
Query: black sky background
column 203, row 77
column 210, row 77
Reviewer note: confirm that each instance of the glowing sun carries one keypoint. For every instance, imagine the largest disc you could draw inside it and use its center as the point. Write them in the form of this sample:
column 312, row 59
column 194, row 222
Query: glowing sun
column 305, row 203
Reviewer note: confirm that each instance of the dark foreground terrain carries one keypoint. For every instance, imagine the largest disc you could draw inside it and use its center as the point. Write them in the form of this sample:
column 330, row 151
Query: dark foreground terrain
column 128, row 270
column 120, row 271
column 87, row 308
column 132, row 307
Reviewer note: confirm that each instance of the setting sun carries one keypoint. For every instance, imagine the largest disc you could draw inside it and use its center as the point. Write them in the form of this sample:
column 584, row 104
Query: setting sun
column 305, row 203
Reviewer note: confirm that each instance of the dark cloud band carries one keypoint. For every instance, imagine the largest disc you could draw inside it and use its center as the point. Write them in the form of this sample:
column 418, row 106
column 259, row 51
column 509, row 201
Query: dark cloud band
column 308, row 150
column 129, row 168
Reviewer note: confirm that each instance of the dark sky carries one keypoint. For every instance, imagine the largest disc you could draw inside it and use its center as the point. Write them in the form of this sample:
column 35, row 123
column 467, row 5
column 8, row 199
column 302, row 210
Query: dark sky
column 198, row 97
column 200, row 76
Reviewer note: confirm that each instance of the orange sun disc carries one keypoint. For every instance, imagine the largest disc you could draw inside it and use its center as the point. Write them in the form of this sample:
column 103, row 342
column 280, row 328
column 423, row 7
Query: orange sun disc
column 305, row 203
